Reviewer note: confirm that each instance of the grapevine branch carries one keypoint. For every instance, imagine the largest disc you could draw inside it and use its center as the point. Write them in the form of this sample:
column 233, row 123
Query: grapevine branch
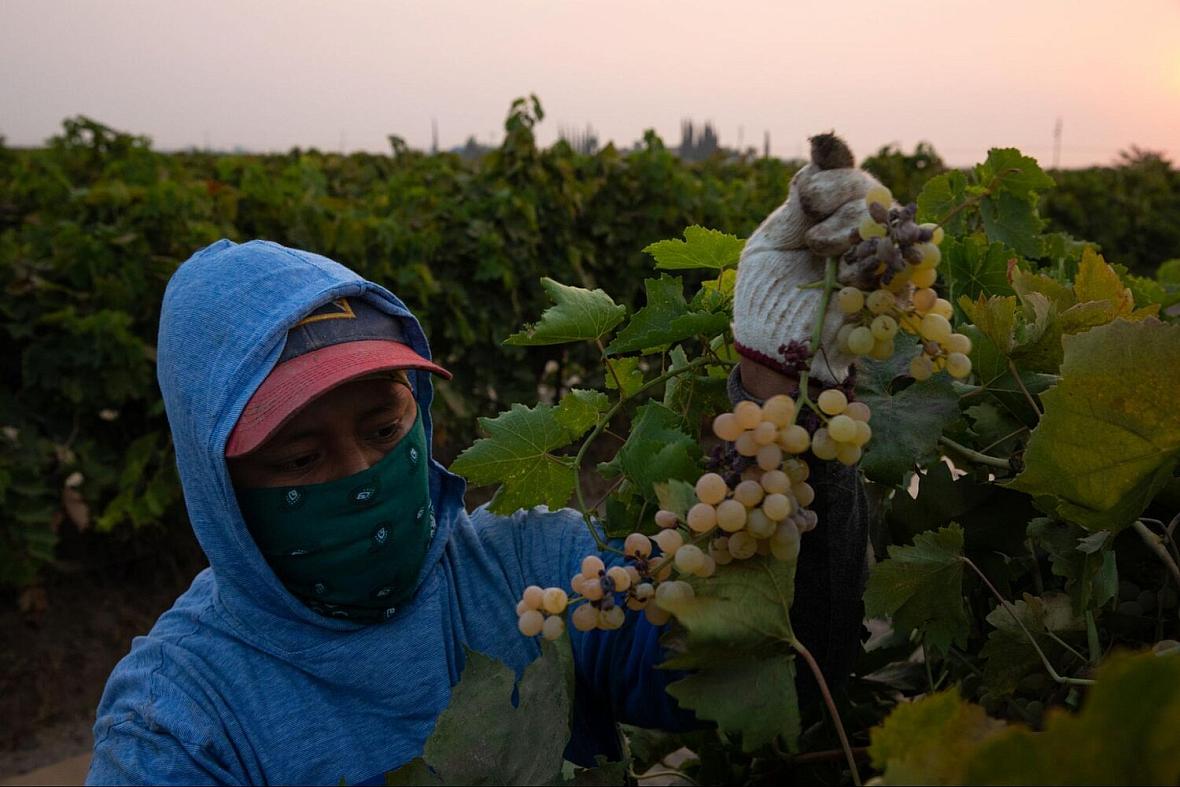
column 1156, row 545
column 983, row 459
column 1036, row 645
column 827, row 694
column 1016, row 376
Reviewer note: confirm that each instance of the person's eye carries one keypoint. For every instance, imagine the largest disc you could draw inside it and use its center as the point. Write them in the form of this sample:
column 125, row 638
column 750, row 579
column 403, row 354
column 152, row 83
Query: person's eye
column 388, row 431
column 297, row 464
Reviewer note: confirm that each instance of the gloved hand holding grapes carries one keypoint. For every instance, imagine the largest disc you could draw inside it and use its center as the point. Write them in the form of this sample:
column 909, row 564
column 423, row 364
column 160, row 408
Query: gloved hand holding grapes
column 774, row 308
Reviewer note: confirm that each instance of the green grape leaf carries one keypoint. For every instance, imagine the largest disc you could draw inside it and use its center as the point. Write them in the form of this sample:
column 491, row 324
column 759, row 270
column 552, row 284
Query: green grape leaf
column 1125, row 733
column 658, row 450
column 701, row 248
column 1060, row 295
column 1091, row 577
column 1013, row 220
column 942, row 195
column 927, row 741
column 1009, row 655
column 517, row 453
column 991, row 369
column 676, row 496
column 907, row 424
column 624, row 375
column 1108, row 440
column 995, row 318
column 736, row 642
column 577, row 315
column 921, row 587
column 665, row 320
column 716, row 294
column 973, row 267
column 580, row 409
column 694, row 396
column 460, row 752
column 1018, row 174
column 995, row 428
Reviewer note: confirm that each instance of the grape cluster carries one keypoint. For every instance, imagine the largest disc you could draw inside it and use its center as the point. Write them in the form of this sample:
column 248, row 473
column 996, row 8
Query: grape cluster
column 898, row 260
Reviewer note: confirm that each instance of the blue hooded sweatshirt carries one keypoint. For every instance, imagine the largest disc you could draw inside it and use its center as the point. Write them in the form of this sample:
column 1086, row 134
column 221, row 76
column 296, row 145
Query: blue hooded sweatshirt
column 239, row 682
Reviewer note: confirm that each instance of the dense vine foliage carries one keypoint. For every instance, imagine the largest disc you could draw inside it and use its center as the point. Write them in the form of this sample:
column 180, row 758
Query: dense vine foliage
column 1023, row 451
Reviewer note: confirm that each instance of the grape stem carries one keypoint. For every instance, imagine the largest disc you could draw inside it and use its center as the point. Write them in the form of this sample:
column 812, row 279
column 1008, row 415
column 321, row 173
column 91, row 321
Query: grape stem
column 1036, row 645
column 1016, row 376
column 1156, row 545
column 601, row 427
column 827, row 695
column 983, row 459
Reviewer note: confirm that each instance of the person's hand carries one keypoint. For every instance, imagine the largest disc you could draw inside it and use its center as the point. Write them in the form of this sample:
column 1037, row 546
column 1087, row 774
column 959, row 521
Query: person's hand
column 773, row 317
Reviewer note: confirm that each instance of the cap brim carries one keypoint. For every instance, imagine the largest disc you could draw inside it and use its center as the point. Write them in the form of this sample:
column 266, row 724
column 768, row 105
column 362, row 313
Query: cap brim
column 294, row 383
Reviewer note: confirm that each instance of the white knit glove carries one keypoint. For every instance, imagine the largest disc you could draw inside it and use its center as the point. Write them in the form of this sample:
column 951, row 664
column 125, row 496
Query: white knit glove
column 825, row 204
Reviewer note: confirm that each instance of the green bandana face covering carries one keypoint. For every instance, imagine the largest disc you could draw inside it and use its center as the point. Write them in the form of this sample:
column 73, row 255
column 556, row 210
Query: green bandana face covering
column 350, row 548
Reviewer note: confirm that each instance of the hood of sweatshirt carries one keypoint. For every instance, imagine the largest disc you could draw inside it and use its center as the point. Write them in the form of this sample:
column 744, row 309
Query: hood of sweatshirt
column 223, row 325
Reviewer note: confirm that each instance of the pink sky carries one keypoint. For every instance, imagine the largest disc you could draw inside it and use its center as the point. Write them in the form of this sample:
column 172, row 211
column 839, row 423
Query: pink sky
column 268, row 75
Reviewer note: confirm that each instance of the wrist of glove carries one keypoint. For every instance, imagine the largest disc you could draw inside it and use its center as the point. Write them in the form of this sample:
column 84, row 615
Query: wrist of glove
column 774, row 308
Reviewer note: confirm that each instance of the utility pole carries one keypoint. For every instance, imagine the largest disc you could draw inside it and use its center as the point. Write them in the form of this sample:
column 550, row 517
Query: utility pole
column 765, row 144
column 434, row 135
column 1057, row 143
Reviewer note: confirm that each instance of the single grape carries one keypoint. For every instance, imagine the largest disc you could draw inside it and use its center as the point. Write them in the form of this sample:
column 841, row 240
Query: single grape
column 644, row 590
column 778, row 410
column 656, row 615
column 910, row 323
column 748, row 493
column 843, row 334
column 702, row 518
column 797, row 470
column 921, row 368
column 935, row 231
column 633, row 574
column 742, row 545
column 787, row 532
column 860, row 341
column 864, row 433
column 689, row 559
column 807, row 521
column 935, row 328
column 731, row 516
column 882, row 349
column 758, row 524
column 832, row 401
column 943, row 308
column 959, row 343
column 850, row 300
column 711, row 488
column 958, row 365
column 769, row 457
column 576, row 583
column 592, row 566
column 858, row 411
column 871, row 229
column 931, row 256
column 822, row 445
column 531, row 623
column 592, row 588
column 666, row 518
column 842, row 429
column 794, row 439
column 804, row 494
column 924, row 277
column 765, row 432
column 726, row 427
column 776, row 507
column 610, row 619
column 848, row 454
column 748, row 414
column 746, row 445
column 880, row 301
column 552, row 628
column 533, row 597
column 555, row 601
column 521, row 608
column 669, row 541
column 923, row 299
column 669, row 594
column 620, row 577
column 880, row 195
column 784, row 553
column 774, row 481
column 637, row 545
column 708, row 567
column 784, row 544
column 883, row 327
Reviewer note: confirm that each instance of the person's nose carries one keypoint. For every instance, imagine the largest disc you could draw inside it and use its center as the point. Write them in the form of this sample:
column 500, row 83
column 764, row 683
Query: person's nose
column 355, row 458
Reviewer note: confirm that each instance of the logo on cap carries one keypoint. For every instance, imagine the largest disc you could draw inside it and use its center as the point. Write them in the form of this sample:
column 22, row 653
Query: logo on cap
column 339, row 309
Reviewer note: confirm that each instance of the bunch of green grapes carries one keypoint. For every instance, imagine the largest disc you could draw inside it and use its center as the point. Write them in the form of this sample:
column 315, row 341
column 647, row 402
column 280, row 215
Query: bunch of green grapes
column 539, row 612
column 899, row 260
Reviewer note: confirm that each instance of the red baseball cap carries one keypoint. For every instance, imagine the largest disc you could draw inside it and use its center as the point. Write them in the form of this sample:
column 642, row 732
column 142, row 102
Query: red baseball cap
column 340, row 341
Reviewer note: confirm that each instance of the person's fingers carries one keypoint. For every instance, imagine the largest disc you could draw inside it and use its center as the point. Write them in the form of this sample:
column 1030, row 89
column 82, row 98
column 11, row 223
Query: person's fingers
column 824, row 191
column 832, row 236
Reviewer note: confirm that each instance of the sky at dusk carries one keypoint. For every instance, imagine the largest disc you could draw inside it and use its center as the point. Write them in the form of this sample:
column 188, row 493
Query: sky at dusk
column 272, row 74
